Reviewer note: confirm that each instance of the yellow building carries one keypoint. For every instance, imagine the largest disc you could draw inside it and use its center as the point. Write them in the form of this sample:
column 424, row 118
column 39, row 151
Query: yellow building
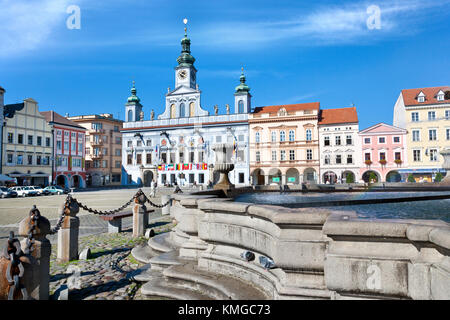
column 284, row 144
column 103, row 148
column 425, row 114
column 27, row 144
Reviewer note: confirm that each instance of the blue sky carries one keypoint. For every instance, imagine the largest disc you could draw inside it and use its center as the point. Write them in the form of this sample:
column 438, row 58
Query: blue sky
column 292, row 51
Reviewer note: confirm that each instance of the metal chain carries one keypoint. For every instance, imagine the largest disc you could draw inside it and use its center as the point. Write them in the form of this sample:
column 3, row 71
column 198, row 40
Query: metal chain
column 157, row 205
column 62, row 216
column 86, row 208
column 13, row 252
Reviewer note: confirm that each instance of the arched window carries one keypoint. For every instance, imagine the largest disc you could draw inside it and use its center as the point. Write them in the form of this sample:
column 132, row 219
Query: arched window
column 308, row 135
column 192, row 109
column 282, row 135
column 130, row 115
column 241, row 106
column 182, row 111
column 172, row 111
column 257, row 137
column 291, row 135
column 274, row 136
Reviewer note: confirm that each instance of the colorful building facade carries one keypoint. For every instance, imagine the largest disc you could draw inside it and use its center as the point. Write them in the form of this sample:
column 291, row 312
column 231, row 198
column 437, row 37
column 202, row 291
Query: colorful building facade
column 69, row 169
column 384, row 153
column 340, row 146
column 425, row 114
column 103, row 148
column 284, row 144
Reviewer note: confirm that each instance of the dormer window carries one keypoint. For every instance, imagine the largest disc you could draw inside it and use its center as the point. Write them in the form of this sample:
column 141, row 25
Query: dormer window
column 421, row 97
column 440, row 96
column 282, row 112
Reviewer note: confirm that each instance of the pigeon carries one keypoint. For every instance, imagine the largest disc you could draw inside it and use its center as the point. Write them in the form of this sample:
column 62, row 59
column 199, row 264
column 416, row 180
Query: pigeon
column 248, row 255
column 266, row 262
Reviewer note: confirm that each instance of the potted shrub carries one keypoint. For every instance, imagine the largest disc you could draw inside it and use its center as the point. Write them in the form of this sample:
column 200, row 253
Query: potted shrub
column 350, row 178
column 368, row 162
column 411, row 178
column 398, row 161
column 373, row 178
column 438, row 177
column 383, row 162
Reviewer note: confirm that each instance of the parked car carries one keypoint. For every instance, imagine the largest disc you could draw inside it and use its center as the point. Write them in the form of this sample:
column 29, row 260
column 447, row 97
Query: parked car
column 24, row 191
column 40, row 191
column 7, row 193
column 56, row 190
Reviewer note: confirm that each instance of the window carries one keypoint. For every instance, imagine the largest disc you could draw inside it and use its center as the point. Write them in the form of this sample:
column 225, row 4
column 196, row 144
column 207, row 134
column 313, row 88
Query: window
column 10, row 158
column 291, row 135
column 432, row 134
column 66, row 146
column 200, row 156
column 19, row 159
column 367, row 157
column 47, row 142
column 129, row 159
column 440, row 96
column 30, row 159
column 10, row 137
column 201, row 178
column 326, row 141
column 241, row 137
column 219, row 139
column 414, row 116
column 148, row 143
column 327, row 159
column 338, row 140
column 349, row 140
column 105, row 151
column 116, row 128
column 396, row 139
column 433, row 155
column 448, row 134
column 292, row 155
column 191, row 156
column 139, row 143
column 381, row 140
column 172, row 157
column 241, row 106
column 382, row 156
column 80, row 148
column 431, row 115
column 257, row 137
column 338, row 159
column 46, row 160
column 130, row 116
column 308, row 135
column 74, row 146
column 240, row 156
column 274, row 155
column 274, row 136
column 241, row 177
column 366, row 140
column 258, row 156
column 105, row 164
column 182, row 110
column 118, row 152
column 20, row 139
column 421, row 98
column 118, row 140
column 349, row 159
column 283, row 155
column 30, row 140
column 282, row 135
column 118, row 164
column 96, row 163
column 416, row 155
column 129, row 144
column 38, row 160
column 308, row 154
column 447, row 114
column 416, row 135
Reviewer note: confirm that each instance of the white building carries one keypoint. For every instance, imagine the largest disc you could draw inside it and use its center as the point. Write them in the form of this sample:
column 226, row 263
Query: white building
column 177, row 146
column 340, row 146
column 2, row 104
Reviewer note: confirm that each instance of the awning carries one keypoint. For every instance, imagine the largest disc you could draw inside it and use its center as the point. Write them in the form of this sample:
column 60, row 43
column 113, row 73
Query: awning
column 4, row 178
column 29, row 175
column 427, row 170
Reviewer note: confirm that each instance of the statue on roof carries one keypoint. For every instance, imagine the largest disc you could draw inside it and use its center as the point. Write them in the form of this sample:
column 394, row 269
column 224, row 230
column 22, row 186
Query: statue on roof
column 216, row 110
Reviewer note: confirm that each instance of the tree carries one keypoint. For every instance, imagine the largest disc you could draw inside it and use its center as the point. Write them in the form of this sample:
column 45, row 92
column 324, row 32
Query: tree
column 350, row 178
column 373, row 177
column 438, row 177
column 411, row 178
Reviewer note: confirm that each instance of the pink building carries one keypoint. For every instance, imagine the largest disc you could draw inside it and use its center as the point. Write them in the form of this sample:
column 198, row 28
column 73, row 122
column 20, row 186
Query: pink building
column 383, row 153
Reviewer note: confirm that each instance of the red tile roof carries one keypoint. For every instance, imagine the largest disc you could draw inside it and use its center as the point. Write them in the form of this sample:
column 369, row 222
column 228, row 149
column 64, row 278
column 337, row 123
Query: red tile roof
column 410, row 96
column 335, row 116
column 52, row 116
column 288, row 107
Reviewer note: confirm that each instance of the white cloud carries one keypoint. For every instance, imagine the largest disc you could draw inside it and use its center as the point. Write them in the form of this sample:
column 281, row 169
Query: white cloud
column 26, row 25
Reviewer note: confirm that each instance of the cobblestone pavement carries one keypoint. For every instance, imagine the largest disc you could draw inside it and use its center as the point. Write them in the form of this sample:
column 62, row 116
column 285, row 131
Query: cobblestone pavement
column 104, row 276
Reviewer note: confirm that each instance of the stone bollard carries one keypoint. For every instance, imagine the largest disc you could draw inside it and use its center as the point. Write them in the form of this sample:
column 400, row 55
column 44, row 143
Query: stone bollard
column 165, row 210
column 140, row 215
column 68, row 234
column 37, row 271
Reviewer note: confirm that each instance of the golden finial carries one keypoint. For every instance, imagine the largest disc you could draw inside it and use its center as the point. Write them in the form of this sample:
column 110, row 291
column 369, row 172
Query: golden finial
column 185, row 21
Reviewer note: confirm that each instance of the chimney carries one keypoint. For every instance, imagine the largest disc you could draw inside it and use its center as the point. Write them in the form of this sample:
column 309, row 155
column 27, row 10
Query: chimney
column 67, row 114
column 2, row 99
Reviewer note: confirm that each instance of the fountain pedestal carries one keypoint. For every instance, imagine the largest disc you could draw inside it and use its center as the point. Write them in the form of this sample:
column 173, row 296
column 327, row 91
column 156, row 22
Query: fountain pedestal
column 446, row 154
column 222, row 166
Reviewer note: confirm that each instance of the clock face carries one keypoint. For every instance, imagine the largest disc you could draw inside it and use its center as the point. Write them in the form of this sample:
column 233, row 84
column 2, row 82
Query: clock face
column 182, row 74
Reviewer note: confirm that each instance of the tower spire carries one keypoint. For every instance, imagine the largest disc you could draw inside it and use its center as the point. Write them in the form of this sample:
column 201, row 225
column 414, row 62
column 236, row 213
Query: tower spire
column 185, row 59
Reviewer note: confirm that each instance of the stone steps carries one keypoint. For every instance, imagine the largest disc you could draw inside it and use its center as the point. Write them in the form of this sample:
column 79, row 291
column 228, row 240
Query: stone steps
column 162, row 288
column 215, row 285
column 143, row 253
column 161, row 243
column 144, row 274
column 166, row 259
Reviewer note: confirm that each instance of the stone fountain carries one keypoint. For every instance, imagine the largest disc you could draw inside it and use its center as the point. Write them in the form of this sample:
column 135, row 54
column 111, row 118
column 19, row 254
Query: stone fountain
column 446, row 154
column 223, row 166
